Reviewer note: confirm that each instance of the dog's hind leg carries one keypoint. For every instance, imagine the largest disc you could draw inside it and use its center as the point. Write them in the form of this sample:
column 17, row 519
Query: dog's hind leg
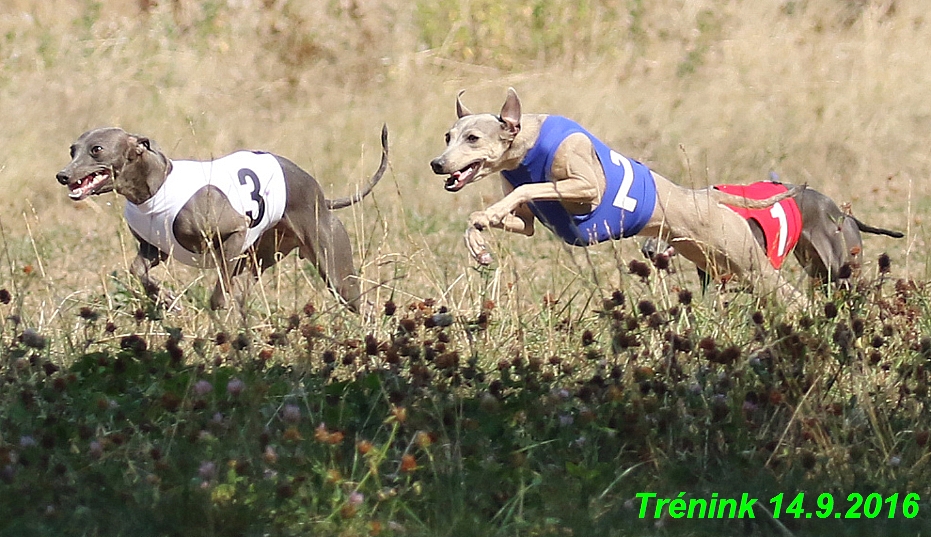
column 718, row 240
column 325, row 242
column 320, row 235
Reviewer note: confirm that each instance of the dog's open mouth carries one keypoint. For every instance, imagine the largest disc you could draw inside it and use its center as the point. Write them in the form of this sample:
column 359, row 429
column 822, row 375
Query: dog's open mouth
column 90, row 184
column 461, row 178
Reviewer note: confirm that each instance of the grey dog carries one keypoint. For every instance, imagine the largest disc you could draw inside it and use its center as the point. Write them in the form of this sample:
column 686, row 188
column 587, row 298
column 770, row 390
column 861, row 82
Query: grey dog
column 830, row 244
column 248, row 209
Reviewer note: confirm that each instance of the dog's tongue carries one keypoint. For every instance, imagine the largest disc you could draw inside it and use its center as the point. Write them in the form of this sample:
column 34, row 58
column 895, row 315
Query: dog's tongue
column 460, row 178
column 86, row 187
column 78, row 193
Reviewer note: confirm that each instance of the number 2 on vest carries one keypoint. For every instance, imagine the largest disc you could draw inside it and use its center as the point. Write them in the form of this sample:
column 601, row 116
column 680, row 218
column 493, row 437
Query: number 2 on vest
column 256, row 196
column 622, row 200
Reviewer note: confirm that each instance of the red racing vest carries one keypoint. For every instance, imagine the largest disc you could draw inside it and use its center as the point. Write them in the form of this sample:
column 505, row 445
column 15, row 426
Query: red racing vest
column 781, row 222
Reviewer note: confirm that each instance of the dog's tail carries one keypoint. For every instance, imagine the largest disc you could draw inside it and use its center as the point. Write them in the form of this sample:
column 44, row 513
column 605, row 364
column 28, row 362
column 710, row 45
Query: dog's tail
column 340, row 203
column 877, row 230
column 746, row 203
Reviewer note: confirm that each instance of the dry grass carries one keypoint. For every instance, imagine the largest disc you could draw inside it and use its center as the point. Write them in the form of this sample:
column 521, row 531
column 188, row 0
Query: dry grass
column 828, row 92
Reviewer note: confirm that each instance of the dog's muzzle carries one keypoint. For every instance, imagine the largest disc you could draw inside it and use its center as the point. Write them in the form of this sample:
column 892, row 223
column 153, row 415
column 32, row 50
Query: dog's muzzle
column 95, row 182
column 458, row 178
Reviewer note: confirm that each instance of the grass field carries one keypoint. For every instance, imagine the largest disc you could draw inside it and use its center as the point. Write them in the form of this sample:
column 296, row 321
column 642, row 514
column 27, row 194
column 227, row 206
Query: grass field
column 535, row 397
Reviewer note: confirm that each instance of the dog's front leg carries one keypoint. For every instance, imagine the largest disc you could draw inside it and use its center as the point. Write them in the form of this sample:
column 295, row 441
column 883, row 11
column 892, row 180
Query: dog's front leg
column 519, row 221
column 513, row 214
column 147, row 257
column 570, row 191
column 228, row 270
column 233, row 282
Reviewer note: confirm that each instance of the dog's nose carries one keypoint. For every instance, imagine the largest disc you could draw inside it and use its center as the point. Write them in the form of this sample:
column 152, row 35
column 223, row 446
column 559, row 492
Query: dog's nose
column 62, row 177
column 437, row 164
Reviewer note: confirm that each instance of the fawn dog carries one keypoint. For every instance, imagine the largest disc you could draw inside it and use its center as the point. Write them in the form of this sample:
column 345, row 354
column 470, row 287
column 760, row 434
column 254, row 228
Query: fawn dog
column 556, row 172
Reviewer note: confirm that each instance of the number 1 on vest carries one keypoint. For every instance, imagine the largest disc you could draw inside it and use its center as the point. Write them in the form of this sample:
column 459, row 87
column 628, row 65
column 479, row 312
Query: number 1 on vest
column 622, row 200
column 779, row 213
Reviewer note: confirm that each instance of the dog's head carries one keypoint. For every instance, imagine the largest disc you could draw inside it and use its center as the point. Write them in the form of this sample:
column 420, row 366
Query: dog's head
column 477, row 145
column 110, row 158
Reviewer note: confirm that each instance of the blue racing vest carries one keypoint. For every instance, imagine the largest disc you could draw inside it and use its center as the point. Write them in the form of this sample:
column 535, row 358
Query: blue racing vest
column 625, row 208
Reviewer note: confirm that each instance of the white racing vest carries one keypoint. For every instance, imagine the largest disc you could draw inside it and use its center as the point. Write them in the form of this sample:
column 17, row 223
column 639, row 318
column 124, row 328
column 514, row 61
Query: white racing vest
column 253, row 182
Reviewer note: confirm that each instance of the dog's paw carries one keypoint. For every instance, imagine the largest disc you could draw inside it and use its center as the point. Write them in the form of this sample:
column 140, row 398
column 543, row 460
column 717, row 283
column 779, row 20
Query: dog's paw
column 477, row 247
column 484, row 258
column 496, row 215
column 171, row 302
column 479, row 221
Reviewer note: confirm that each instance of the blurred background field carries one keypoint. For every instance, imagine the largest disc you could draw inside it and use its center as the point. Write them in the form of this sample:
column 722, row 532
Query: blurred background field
column 828, row 92
column 554, row 370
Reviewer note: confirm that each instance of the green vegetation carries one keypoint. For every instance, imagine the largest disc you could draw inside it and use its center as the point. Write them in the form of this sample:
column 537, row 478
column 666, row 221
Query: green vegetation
column 424, row 427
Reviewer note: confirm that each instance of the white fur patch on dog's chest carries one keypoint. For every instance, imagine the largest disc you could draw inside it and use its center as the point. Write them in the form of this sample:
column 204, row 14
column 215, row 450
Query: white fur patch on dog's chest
column 253, row 182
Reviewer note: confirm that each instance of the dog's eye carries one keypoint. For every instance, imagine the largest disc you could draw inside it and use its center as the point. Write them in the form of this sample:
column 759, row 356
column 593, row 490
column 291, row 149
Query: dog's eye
column 472, row 138
column 96, row 150
column 447, row 137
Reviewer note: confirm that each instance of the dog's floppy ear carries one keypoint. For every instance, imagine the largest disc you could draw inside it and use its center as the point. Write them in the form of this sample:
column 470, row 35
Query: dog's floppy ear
column 143, row 144
column 137, row 145
column 510, row 112
column 461, row 110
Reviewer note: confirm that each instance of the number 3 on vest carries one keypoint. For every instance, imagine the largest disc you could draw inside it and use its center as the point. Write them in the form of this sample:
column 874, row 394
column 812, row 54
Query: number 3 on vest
column 622, row 200
column 257, row 216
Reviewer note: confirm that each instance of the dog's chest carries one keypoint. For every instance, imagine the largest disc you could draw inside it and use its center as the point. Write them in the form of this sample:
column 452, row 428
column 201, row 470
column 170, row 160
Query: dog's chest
column 252, row 183
column 629, row 197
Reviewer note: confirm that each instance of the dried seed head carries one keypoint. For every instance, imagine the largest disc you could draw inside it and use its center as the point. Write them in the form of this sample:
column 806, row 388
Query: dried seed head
column 242, row 342
column 133, row 342
column 885, row 264
column 808, row 459
column 50, row 368
column 646, row 308
column 32, row 338
column 408, row 325
column 707, row 344
column 858, row 326
column 685, row 297
column 845, row 271
column 618, row 298
column 639, row 268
